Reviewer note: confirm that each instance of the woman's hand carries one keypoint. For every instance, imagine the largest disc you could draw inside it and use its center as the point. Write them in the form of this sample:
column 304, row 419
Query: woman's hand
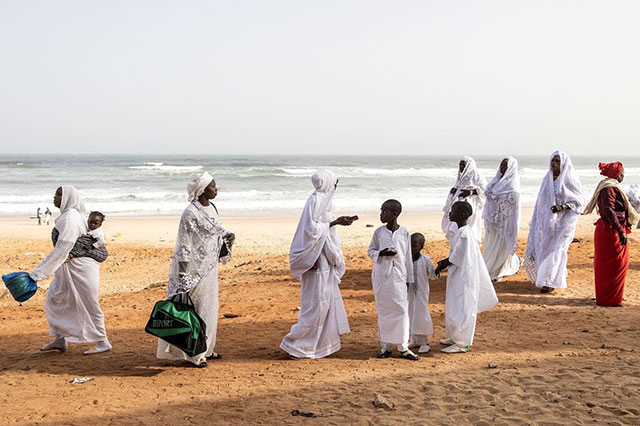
column 465, row 193
column 342, row 220
column 453, row 191
column 623, row 238
column 559, row 207
column 230, row 238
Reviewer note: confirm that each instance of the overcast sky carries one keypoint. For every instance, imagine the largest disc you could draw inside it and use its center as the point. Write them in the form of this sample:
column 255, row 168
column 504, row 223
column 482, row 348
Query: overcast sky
column 354, row 77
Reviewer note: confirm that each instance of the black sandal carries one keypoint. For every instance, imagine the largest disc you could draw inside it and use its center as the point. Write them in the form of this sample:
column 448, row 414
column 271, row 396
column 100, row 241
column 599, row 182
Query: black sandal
column 203, row 364
column 384, row 354
column 214, row 356
column 546, row 289
column 409, row 355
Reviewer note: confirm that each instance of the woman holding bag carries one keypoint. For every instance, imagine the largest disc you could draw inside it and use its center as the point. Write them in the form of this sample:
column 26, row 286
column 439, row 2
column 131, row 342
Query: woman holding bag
column 201, row 243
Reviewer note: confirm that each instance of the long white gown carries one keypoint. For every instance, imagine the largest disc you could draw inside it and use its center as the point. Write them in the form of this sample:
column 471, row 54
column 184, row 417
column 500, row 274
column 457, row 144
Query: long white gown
column 421, row 324
column 501, row 221
column 550, row 234
column 469, row 288
column 200, row 237
column 390, row 276
column 316, row 260
column 72, row 303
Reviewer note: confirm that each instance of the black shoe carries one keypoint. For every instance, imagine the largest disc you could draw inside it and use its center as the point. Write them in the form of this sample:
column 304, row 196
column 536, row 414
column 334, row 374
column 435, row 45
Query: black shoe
column 214, row 356
column 384, row 354
column 546, row 289
column 409, row 355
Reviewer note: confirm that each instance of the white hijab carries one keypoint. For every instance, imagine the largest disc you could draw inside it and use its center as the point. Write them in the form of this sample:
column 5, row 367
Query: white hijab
column 197, row 185
column 314, row 234
column 502, row 209
column 548, row 229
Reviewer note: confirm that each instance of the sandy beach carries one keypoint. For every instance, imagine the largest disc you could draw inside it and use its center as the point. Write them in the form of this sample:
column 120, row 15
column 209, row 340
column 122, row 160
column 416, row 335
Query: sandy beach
column 555, row 359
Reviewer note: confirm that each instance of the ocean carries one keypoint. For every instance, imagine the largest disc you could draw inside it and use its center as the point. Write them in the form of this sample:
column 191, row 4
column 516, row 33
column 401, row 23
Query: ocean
column 256, row 185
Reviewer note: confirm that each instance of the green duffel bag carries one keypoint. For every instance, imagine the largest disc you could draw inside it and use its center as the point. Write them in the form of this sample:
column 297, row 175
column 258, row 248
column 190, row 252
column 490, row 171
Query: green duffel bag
column 178, row 324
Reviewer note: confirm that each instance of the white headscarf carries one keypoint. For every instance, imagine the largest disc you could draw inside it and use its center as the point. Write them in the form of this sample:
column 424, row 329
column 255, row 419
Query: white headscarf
column 314, row 234
column 502, row 209
column 197, row 185
column 71, row 199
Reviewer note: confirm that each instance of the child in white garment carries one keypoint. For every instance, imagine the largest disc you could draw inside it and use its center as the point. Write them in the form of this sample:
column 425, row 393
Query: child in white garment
column 95, row 230
column 421, row 325
column 390, row 250
column 469, row 288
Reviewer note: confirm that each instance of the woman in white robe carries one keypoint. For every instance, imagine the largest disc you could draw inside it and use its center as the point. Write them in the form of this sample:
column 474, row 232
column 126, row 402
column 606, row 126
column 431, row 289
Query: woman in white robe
column 72, row 303
column 316, row 260
column 553, row 224
column 194, row 266
column 469, row 187
column 501, row 221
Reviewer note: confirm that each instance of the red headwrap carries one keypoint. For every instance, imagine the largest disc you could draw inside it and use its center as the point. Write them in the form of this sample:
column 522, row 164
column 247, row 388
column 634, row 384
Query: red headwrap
column 611, row 170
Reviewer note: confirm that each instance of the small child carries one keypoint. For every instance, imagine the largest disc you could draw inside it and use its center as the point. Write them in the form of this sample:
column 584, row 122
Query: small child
column 469, row 287
column 95, row 230
column 421, row 325
column 390, row 249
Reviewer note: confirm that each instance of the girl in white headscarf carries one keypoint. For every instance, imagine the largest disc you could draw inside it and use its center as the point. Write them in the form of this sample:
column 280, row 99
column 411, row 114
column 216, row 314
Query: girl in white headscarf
column 72, row 305
column 201, row 243
column 553, row 224
column 316, row 260
column 501, row 220
column 469, row 187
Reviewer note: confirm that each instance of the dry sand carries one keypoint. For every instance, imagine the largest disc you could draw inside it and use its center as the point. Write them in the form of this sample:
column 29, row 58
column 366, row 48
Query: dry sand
column 558, row 358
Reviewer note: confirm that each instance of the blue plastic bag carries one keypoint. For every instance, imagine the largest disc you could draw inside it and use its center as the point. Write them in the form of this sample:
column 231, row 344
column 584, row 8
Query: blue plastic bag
column 20, row 285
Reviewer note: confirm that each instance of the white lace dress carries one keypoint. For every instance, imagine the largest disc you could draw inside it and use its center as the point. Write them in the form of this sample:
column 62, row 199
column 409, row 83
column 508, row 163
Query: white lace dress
column 194, row 269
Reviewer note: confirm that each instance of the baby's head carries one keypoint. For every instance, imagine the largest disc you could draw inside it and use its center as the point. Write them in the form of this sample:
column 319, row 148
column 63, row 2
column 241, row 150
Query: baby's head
column 390, row 210
column 417, row 243
column 95, row 220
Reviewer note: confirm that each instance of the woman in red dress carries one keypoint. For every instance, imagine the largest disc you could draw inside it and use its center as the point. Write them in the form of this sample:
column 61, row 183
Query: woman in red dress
column 611, row 251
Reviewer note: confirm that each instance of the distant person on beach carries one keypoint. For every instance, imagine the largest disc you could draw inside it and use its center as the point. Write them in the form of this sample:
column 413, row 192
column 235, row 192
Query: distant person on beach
column 47, row 216
column 553, row 224
column 501, row 221
column 469, row 288
column 38, row 216
column 316, row 260
column 390, row 250
column 420, row 323
column 72, row 304
column 469, row 186
column 611, row 251
column 201, row 243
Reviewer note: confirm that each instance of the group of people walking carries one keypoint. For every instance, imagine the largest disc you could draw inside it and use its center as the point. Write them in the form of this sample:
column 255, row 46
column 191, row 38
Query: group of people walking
column 400, row 275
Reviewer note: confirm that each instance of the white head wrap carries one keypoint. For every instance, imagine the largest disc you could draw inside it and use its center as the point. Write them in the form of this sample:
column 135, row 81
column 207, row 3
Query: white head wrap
column 197, row 185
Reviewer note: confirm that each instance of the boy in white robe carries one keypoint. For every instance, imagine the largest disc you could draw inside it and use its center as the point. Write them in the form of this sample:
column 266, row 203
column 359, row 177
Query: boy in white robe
column 390, row 250
column 421, row 325
column 469, row 288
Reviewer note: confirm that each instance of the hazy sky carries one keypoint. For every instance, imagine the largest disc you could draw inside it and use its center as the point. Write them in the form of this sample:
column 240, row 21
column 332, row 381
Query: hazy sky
column 355, row 77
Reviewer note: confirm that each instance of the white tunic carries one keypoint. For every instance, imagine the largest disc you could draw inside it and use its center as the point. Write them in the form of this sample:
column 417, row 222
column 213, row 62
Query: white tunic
column 469, row 288
column 419, row 316
column 72, row 302
column 390, row 276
